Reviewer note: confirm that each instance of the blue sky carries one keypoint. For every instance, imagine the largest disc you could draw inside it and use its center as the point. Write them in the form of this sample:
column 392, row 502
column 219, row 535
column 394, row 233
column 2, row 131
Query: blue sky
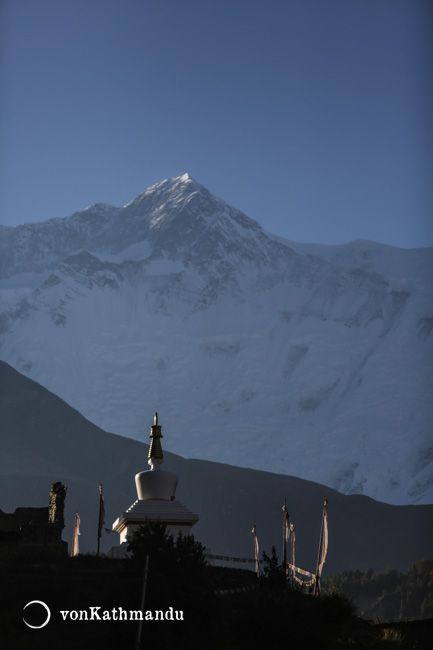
column 311, row 116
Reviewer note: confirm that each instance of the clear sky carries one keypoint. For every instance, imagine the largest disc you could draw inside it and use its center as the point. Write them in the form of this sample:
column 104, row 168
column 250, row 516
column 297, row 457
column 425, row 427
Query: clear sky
column 312, row 116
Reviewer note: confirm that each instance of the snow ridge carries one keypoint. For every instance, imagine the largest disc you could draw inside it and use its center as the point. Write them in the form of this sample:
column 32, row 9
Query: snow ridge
column 296, row 358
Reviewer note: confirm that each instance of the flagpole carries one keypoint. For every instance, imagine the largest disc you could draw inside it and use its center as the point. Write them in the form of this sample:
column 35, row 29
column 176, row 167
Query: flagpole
column 292, row 532
column 101, row 517
column 317, row 581
column 73, row 536
column 75, row 543
column 285, row 537
column 256, row 551
column 143, row 597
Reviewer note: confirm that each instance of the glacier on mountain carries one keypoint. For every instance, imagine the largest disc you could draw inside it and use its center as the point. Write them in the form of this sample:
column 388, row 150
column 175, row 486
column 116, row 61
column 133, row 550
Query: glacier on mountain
column 302, row 359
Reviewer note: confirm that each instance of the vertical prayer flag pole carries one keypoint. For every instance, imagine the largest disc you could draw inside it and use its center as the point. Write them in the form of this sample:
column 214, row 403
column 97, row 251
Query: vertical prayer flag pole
column 286, row 536
column 75, row 545
column 323, row 549
column 293, row 563
column 256, row 551
column 143, row 597
column 101, row 520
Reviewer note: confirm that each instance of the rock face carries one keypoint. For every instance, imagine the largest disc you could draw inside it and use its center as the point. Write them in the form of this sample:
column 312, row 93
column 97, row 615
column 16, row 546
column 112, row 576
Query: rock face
column 303, row 359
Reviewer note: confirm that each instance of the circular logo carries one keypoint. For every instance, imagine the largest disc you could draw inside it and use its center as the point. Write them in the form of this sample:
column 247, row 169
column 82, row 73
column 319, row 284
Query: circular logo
column 38, row 602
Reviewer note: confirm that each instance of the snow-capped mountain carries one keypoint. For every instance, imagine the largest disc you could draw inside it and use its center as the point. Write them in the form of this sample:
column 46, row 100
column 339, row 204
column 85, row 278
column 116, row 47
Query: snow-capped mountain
column 310, row 360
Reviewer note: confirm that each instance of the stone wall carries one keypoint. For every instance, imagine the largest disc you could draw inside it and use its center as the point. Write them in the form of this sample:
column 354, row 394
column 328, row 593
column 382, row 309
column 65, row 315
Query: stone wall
column 35, row 530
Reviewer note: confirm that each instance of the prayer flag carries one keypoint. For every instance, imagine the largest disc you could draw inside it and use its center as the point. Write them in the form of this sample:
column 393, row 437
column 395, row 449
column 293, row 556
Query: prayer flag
column 286, row 523
column 323, row 548
column 101, row 511
column 256, row 551
column 286, row 536
column 75, row 544
column 292, row 530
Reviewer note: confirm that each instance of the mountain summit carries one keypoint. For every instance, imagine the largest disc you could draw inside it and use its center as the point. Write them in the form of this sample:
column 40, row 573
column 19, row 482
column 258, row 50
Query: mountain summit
column 295, row 358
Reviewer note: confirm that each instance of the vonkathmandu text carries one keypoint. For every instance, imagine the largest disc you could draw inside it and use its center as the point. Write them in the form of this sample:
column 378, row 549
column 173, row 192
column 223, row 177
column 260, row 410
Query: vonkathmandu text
column 120, row 614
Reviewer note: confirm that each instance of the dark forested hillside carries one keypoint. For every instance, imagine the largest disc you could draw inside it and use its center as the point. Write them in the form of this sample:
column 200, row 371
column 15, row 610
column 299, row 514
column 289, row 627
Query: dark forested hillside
column 225, row 610
column 388, row 595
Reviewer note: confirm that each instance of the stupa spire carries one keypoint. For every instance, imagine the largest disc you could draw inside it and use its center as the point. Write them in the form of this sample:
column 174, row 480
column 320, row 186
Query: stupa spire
column 155, row 450
column 155, row 483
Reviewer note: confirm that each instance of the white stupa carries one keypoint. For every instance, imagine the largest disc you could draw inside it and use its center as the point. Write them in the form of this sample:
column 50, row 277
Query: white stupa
column 156, row 491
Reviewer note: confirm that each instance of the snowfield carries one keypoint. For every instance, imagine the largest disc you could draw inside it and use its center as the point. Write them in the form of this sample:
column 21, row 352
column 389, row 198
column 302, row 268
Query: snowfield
column 302, row 359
